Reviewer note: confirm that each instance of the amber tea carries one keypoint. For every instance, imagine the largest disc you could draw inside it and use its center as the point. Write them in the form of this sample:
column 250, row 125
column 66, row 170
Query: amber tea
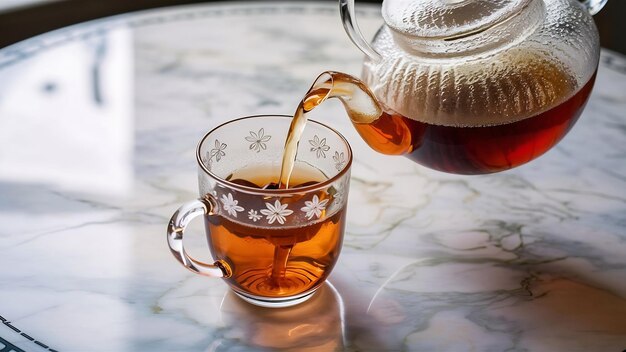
column 475, row 149
column 479, row 132
column 271, row 261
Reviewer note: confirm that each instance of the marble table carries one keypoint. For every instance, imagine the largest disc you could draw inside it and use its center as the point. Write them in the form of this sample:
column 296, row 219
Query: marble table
column 98, row 127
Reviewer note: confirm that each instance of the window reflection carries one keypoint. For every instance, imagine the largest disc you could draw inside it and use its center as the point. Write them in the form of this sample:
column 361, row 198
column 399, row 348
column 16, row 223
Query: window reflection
column 66, row 116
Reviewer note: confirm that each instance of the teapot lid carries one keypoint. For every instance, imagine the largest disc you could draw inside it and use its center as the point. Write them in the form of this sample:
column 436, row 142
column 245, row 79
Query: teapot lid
column 447, row 19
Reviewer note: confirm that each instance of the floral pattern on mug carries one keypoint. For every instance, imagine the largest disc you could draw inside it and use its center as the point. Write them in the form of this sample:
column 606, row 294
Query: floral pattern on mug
column 277, row 212
column 230, row 205
column 319, row 146
column 254, row 215
column 217, row 152
column 340, row 160
column 258, row 140
column 339, row 193
column 314, row 207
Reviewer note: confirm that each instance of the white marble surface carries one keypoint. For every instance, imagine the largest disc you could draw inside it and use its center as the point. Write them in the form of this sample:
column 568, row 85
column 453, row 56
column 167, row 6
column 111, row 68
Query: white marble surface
column 98, row 125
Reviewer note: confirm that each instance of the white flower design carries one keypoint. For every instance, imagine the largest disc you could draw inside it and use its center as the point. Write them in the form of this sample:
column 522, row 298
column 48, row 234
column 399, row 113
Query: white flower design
column 258, row 140
column 253, row 215
column 338, row 196
column 340, row 160
column 314, row 207
column 340, row 193
column 230, row 205
column 319, row 146
column 218, row 151
column 276, row 212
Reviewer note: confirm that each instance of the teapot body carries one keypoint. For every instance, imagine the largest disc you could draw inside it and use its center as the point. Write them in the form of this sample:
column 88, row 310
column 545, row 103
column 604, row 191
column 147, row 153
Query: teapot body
column 486, row 98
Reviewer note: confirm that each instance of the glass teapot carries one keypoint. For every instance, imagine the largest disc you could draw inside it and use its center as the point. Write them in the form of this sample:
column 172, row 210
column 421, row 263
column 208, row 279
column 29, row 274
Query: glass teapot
column 469, row 86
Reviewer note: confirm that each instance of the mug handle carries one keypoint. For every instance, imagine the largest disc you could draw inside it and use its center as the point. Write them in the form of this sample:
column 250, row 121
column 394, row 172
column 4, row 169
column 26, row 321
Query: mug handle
column 176, row 229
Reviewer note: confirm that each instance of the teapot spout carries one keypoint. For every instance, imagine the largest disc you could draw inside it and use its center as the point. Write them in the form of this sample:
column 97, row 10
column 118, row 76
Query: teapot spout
column 384, row 132
column 359, row 102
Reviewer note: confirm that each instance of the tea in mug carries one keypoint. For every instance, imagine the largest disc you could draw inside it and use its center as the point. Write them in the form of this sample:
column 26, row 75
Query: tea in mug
column 277, row 261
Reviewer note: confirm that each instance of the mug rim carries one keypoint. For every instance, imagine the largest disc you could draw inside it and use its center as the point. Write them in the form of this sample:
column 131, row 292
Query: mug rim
column 248, row 189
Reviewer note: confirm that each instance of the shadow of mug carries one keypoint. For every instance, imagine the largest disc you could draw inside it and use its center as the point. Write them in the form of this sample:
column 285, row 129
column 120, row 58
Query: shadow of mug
column 315, row 325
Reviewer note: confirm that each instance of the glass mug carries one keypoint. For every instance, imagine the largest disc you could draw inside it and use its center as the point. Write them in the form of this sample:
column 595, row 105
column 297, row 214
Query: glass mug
column 273, row 247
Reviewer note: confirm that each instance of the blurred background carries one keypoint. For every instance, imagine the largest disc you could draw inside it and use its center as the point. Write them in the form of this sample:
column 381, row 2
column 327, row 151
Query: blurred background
column 22, row 19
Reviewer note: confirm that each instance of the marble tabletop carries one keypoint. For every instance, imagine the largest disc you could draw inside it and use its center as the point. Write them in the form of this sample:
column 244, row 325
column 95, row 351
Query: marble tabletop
column 98, row 128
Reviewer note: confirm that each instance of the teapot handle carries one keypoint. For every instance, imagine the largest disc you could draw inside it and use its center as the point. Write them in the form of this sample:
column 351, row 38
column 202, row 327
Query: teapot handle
column 593, row 6
column 348, row 18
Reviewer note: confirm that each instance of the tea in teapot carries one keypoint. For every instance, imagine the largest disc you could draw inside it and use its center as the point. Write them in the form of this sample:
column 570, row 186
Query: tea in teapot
column 460, row 149
column 467, row 86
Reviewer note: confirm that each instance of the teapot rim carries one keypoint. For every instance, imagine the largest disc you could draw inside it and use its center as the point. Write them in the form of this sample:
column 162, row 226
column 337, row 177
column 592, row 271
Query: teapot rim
column 458, row 18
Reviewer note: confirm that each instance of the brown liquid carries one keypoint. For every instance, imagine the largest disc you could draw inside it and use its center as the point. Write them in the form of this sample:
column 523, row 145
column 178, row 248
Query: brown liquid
column 453, row 149
column 475, row 150
column 308, row 103
column 276, row 261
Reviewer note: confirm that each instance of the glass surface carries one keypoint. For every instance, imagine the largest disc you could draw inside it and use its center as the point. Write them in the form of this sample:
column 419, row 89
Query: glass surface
column 474, row 87
column 541, row 54
column 274, row 246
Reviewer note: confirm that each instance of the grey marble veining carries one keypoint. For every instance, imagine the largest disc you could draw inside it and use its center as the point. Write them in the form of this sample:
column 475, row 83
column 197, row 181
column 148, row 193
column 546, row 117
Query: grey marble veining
column 98, row 127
